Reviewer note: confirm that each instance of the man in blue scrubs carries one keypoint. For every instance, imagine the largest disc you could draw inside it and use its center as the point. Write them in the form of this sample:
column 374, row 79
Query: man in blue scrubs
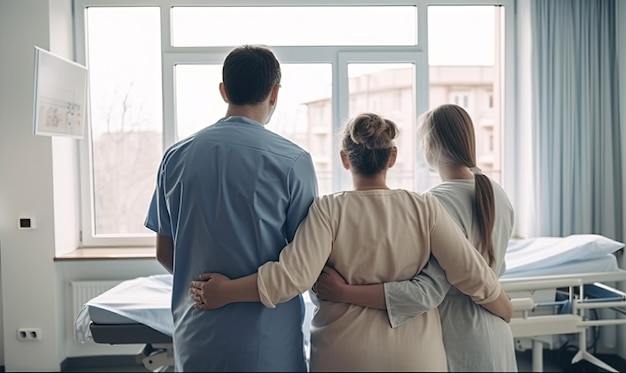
column 227, row 200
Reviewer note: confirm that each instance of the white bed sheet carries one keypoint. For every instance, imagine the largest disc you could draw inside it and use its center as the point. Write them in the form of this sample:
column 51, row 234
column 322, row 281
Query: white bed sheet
column 144, row 300
column 531, row 254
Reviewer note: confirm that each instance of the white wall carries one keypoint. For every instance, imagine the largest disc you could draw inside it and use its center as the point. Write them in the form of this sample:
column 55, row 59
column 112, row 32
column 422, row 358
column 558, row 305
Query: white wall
column 620, row 15
column 621, row 57
column 29, row 277
column 39, row 178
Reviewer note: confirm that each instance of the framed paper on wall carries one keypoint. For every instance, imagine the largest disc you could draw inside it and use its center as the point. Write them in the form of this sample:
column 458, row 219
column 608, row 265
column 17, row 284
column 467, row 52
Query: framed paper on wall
column 60, row 99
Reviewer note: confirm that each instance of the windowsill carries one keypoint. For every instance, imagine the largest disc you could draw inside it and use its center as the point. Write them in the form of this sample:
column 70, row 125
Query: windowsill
column 108, row 253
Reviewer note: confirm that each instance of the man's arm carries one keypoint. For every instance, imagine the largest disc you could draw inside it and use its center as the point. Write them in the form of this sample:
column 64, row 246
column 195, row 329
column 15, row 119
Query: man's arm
column 165, row 252
column 303, row 190
column 158, row 220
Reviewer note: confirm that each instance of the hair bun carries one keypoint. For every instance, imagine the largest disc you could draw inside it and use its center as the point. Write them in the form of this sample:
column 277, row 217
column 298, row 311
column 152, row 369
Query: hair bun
column 373, row 131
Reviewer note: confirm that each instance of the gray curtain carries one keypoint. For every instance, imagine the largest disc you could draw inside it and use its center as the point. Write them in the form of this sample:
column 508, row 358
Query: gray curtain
column 576, row 134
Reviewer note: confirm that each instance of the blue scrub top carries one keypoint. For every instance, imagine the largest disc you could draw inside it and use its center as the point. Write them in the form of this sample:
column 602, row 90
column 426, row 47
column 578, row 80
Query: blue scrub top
column 231, row 197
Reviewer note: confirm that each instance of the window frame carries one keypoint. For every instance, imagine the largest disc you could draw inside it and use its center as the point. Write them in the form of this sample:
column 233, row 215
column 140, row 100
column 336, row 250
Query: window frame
column 338, row 56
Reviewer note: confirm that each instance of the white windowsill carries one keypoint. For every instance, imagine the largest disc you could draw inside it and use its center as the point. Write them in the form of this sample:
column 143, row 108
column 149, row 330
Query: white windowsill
column 108, row 253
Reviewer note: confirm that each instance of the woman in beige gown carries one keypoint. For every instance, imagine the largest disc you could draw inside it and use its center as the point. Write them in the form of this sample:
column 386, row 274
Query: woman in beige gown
column 484, row 213
column 371, row 234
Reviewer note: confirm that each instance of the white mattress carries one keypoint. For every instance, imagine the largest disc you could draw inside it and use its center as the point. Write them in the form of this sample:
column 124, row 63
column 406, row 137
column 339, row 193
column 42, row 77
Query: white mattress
column 101, row 316
column 607, row 263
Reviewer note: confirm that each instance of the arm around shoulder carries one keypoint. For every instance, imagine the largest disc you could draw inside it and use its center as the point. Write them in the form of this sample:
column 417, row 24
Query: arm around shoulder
column 165, row 252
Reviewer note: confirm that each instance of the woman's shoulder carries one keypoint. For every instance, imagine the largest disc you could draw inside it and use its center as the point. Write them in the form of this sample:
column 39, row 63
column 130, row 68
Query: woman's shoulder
column 422, row 200
column 328, row 201
column 330, row 197
column 402, row 194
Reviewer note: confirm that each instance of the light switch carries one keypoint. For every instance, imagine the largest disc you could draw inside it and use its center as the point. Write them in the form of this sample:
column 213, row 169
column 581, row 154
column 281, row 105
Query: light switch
column 26, row 223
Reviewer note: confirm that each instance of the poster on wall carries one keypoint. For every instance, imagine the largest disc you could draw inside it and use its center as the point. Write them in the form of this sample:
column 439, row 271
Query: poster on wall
column 60, row 98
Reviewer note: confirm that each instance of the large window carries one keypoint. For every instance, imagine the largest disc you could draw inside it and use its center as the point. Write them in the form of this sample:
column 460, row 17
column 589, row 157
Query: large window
column 155, row 68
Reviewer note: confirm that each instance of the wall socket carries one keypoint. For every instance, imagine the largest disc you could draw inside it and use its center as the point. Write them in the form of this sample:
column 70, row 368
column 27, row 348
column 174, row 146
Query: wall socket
column 29, row 334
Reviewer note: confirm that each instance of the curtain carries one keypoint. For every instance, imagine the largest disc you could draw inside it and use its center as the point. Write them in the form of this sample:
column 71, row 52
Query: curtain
column 575, row 110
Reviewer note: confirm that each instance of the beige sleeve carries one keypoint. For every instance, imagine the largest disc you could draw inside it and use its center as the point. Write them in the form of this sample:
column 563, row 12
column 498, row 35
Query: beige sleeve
column 300, row 263
column 465, row 268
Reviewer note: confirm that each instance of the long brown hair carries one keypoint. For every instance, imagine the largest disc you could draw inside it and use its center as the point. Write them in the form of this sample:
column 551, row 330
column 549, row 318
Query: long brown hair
column 447, row 132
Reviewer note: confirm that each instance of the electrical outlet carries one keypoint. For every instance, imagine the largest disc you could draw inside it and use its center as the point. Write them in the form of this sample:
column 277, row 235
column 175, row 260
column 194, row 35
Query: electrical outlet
column 29, row 334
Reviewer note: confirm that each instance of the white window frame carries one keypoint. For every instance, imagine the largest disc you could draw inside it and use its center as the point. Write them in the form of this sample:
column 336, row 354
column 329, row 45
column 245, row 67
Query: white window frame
column 338, row 56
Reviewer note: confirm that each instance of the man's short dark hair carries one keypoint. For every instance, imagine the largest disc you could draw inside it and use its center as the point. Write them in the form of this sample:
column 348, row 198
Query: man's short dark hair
column 249, row 74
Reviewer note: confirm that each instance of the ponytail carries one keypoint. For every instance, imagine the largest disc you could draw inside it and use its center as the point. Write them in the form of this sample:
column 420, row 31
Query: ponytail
column 484, row 213
column 448, row 131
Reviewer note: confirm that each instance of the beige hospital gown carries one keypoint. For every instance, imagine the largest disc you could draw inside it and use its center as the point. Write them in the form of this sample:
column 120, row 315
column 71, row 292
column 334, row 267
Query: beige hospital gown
column 375, row 236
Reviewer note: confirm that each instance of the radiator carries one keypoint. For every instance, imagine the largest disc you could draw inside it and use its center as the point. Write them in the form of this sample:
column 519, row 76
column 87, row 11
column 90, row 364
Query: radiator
column 83, row 291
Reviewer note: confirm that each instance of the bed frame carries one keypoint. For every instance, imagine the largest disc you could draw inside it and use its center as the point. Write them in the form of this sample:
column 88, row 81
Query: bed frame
column 583, row 292
column 158, row 352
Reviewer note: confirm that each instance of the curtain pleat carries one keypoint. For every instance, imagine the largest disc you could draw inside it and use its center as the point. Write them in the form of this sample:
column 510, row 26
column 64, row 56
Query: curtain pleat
column 576, row 134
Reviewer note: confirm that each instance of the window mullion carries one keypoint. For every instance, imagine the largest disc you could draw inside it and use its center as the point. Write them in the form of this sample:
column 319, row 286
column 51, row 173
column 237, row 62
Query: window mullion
column 167, row 74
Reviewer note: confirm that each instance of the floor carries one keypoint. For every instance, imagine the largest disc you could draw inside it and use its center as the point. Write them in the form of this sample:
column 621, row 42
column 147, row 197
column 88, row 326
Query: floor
column 554, row 361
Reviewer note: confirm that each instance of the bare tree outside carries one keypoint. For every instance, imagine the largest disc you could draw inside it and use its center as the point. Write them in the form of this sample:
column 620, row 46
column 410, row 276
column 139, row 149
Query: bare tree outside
column 125, row 160
column 126, row 116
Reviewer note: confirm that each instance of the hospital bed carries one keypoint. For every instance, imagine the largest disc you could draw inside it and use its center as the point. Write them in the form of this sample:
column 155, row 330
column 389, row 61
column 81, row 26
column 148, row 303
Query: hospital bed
column 136, row 311
column 555, row 283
